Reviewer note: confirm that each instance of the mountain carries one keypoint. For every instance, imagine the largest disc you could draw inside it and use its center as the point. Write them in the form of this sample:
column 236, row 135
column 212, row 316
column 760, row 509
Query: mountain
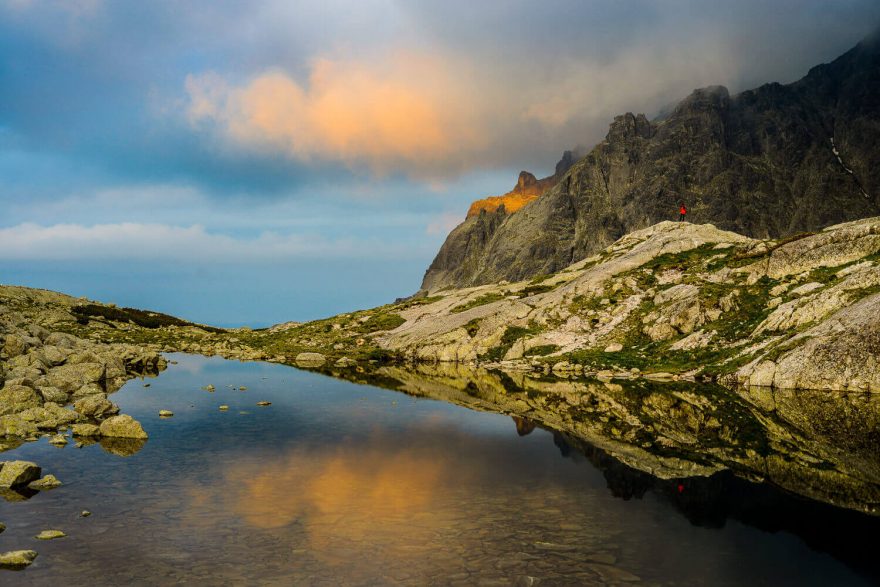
column 766, row 163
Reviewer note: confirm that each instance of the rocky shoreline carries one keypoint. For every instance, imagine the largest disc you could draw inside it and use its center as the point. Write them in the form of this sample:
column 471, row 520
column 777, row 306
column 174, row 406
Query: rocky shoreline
column 56, row 385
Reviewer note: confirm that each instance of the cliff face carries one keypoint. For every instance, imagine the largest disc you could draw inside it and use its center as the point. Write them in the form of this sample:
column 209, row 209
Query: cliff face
column 768, row 162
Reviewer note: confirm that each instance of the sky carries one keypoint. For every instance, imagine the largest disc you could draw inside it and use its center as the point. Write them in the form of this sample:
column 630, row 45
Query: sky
column 251, row 162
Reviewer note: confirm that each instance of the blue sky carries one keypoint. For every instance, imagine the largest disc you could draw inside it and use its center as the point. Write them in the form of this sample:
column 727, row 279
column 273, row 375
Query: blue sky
column 253, row 162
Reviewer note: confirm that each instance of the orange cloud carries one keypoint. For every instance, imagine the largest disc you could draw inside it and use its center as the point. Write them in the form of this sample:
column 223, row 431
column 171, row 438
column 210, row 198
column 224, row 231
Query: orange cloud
column 403, row 112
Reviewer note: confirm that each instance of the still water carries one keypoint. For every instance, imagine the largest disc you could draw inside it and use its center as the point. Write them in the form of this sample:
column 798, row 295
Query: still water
column 342, row 484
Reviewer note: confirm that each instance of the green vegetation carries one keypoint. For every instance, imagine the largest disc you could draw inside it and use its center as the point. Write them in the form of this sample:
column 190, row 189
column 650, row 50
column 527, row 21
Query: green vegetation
column 87, row 312
column 472, row 327
column 542, row 350
column 380, row 322
column 479, row 301
column 510, row 336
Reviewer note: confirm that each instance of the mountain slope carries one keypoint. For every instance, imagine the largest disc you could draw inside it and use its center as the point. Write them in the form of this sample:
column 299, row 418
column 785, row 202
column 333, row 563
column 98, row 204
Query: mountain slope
column 766, row 163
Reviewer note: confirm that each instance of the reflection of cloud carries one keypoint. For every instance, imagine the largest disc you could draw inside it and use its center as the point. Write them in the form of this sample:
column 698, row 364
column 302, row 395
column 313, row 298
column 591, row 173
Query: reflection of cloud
column 349, row 495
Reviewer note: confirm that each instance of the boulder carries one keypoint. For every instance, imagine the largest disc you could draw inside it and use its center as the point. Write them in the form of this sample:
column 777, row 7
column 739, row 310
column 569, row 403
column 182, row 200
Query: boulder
column 17, row 398
column 15, row 425
column 614, row 347
column 71, row 377
column 122, row 426
column 50, row 535
column 53, row 394
column 95, row 406
column 17, row 473
column 14, row 346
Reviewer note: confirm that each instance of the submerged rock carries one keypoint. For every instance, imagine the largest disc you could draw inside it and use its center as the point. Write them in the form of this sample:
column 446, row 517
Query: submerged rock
column 47, row 482
column 17, row 559
column 50, row 535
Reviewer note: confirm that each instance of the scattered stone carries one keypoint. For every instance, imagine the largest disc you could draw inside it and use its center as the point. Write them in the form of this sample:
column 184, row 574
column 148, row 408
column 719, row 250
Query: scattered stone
column 17, row 559
column 147, row 384
column 614, row 347
column 47, row 482
column 209, row 388
column 165, row 413
column 50, row 535
column 58, row 440
column 123, row 426
column 264, row 403
column 345, row 362
column 16, row 473
column 242, row 388
column 85, row 514
column 224, row 407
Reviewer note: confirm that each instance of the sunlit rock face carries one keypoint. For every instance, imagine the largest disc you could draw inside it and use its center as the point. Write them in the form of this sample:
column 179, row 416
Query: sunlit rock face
column 769, row 162
column 527, row 188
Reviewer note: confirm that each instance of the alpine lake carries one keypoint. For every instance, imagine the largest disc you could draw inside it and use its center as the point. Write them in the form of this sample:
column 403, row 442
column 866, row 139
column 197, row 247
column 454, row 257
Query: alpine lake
column 342, row 482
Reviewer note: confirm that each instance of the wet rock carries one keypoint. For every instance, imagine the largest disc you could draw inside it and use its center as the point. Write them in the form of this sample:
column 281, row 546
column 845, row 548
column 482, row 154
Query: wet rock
column 47, row 482
column 50, row 535
column 2, row 527
column 17, row 559
column 264, row 403
column 122, row 426
column 209, row 388
column 17, row 473
column 224, row 408
column 345, row 362
column 85, row 514
column 165, row 413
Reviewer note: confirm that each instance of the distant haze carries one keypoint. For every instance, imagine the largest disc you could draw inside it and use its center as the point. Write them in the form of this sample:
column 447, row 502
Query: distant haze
column 254, row 162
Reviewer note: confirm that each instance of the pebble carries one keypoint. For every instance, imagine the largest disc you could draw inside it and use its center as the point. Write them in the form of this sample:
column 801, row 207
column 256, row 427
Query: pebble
column 50, row 535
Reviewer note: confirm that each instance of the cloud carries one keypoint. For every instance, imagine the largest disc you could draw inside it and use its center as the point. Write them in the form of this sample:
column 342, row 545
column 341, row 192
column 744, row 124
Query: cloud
column 162, row 242
column 407, row 111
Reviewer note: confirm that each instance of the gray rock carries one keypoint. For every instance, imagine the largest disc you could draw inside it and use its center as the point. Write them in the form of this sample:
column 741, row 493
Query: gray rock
column 122, row 426
column 95, row 406
column 17, row 398
column 18, row 473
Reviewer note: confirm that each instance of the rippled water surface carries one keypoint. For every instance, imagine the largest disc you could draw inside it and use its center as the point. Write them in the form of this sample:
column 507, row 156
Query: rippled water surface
column 340, row 484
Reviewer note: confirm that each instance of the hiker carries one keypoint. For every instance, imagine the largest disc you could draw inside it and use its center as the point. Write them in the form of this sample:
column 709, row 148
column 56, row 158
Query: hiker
column 682, row 211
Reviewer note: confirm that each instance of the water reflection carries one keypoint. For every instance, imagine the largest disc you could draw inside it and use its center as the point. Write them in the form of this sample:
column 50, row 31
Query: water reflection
column 823, row 445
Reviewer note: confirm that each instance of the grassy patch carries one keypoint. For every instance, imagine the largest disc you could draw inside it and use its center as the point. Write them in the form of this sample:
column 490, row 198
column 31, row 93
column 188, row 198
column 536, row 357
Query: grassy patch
column 141, row 318
column 510, row 336
column 479, row 301
column 380, row 322
column 472, row 327
column 542, row 350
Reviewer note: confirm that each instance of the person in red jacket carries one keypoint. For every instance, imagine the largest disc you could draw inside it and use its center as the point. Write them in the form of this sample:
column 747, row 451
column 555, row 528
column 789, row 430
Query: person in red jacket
column 682, row 211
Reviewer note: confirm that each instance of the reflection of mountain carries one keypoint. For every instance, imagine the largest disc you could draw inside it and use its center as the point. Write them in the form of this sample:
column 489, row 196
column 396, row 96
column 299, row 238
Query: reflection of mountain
column 711, row 501
column 822, row 445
